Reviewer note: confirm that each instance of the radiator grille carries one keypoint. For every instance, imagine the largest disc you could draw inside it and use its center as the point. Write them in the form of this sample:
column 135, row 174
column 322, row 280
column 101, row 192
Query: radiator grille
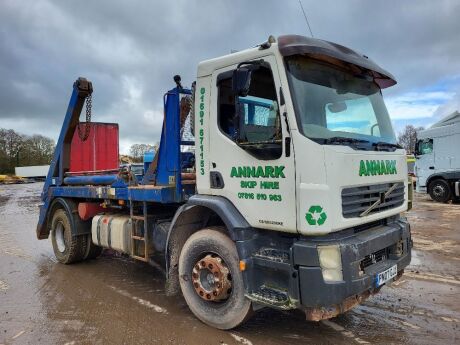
column 378, row 256
column 356, row 200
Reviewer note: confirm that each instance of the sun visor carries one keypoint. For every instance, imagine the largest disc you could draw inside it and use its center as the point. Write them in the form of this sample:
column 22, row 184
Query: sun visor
column 334, row 54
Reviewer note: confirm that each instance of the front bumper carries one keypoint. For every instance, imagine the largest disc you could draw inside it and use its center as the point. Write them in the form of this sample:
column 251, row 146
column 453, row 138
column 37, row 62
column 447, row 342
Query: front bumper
column 358, row 266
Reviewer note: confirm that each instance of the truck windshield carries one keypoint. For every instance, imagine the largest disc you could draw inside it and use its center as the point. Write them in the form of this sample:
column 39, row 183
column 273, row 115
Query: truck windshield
column 331, row 103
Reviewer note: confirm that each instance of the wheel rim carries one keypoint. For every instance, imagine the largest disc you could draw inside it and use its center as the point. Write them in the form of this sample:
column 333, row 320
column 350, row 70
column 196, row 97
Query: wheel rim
column 59, row 236
column 211, row 278
column 439, row 191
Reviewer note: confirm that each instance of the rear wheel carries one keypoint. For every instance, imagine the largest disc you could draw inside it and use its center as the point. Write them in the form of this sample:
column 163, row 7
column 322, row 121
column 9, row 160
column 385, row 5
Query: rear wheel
column 67, row 248
column 211, row 281
column 92, row 250
column 440, row 190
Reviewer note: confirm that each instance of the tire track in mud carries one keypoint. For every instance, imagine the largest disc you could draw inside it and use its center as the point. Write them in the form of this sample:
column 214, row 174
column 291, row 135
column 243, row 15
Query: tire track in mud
column 422, row 243
column 433, row 277
column 3, row 286
column 8, row 245
column 241, row 339
column 343, row 331
column 139, row 300
column 399, row 316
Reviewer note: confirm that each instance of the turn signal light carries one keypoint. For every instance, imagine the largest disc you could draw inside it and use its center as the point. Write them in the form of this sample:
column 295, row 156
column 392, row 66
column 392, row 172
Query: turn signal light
column 242, row 265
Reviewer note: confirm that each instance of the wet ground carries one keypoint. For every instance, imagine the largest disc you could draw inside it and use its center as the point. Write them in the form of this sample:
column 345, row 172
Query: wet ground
column 114, row 300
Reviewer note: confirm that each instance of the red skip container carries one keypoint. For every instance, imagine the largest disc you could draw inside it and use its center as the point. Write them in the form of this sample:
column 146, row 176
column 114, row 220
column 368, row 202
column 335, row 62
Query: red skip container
column 99, row 151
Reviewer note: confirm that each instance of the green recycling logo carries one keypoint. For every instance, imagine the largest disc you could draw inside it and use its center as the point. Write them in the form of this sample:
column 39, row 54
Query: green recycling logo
column 315, row 215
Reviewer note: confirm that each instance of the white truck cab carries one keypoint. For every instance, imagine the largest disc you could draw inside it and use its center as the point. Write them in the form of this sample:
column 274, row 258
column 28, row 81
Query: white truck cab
column 311, row 134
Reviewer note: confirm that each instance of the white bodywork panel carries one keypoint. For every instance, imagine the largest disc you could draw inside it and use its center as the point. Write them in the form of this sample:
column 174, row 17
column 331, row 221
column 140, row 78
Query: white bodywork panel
column 270, row 208
column 325, row 170
column 32, row 171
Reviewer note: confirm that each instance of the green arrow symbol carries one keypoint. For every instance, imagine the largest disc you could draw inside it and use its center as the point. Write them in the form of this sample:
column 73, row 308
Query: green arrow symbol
column 322, row 218
column 310, row 219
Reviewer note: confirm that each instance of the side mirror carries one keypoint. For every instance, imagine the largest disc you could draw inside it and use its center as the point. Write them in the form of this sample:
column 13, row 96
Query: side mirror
column 241, row 81
column 416, row 150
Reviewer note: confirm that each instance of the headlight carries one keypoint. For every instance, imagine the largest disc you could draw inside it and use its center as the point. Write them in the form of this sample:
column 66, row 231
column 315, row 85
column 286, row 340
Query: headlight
column 330, row 260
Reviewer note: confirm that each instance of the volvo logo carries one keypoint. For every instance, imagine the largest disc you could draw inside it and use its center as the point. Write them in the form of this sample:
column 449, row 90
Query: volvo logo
column 380, row 200
column 373, row 258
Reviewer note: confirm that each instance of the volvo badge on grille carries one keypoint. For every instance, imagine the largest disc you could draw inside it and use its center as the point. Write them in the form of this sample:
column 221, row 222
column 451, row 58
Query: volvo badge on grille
column 380, row 200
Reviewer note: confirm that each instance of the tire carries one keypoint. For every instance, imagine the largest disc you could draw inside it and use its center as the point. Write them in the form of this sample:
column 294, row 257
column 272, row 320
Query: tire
column 67, row 248
column 224, row 314
column 92, row 250
column 440, row 190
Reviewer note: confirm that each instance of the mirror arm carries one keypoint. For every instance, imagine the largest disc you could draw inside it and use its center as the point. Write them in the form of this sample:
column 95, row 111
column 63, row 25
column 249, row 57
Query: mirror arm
column 287, row 122
column 281, row 96
column 237, row 120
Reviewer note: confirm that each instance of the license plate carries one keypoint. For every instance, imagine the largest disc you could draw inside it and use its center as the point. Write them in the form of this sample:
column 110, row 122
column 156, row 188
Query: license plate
column 386, row 275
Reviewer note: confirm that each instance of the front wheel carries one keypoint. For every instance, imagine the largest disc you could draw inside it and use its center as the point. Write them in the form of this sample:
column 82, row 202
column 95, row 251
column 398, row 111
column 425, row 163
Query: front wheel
column 211, row 281
column 440, row 190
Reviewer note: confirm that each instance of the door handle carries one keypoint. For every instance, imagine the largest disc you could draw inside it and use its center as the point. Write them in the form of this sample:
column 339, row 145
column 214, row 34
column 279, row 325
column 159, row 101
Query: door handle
column 431, row 168
column 217, row 181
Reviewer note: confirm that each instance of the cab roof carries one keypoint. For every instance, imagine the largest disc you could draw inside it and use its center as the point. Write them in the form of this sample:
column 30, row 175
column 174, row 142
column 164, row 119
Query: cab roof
column 333, row 53
column 288, row 45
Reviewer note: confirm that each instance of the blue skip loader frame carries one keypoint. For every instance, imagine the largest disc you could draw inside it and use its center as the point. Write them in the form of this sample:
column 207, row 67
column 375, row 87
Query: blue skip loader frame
column 162, row 184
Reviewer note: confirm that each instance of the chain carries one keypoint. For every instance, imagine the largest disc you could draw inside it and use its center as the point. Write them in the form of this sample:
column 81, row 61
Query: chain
column 89, row 104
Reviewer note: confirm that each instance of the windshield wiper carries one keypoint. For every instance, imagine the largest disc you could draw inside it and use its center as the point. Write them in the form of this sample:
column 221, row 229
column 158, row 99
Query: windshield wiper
column 384, row 145
column 344, row 140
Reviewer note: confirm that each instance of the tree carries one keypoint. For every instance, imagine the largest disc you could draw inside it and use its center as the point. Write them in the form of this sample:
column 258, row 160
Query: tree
column 37, row 150
column 137, row 151
column 21, row 150
column 10, row 145
column 408, row 138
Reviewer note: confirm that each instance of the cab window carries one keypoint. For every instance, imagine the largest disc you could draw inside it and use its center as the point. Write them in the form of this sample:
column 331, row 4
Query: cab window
column 425, row 146
column 253, row 120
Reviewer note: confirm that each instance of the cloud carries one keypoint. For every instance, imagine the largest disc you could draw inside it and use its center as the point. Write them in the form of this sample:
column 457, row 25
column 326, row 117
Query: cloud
column 131, row 50
column 414, row 105
column 449, row 107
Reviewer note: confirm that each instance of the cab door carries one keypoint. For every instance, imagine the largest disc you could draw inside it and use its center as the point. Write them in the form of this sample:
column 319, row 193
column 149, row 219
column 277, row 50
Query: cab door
column 251, row 155
column 425, row 163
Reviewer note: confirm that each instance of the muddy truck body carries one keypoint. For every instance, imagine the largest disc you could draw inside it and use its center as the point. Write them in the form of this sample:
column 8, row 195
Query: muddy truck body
column 285, row 191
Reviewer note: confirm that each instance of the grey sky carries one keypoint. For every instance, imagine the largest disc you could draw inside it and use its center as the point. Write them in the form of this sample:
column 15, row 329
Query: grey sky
column 131, row 49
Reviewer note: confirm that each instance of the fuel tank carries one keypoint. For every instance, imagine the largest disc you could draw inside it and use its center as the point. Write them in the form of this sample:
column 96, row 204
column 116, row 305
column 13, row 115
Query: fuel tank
column 112, row 231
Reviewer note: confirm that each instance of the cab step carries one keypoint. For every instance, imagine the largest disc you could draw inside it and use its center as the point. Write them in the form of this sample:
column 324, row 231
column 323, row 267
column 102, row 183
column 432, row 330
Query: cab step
column 140, row 258
column 273, row 254
column 272, row 297
column 272, row 258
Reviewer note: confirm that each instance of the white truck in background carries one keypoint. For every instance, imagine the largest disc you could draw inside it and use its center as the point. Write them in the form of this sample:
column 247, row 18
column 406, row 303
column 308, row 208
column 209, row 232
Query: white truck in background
column 438, row 159
column 35, row 171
